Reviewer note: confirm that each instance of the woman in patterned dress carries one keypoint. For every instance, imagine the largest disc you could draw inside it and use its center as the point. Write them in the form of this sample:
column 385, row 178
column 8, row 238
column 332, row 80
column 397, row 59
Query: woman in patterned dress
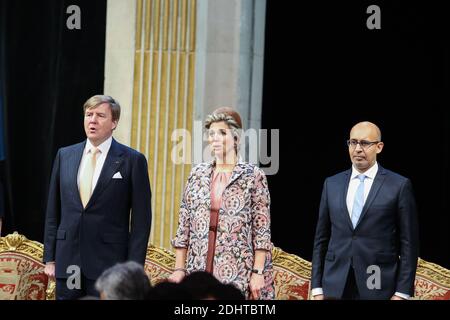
column 224, row 218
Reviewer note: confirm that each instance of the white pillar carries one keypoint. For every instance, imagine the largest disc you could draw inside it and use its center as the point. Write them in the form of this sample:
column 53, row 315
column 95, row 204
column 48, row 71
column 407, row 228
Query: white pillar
column 119, row 61
column 230, row 56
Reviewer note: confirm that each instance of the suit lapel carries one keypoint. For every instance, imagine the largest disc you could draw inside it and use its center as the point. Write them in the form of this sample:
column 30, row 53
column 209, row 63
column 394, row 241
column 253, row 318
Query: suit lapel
column 379, row 179
column 345, row 182
column 73, row 167
column 112, row 163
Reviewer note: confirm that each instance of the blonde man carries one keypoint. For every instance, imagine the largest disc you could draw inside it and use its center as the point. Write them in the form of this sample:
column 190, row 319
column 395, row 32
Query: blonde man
column 99, row 210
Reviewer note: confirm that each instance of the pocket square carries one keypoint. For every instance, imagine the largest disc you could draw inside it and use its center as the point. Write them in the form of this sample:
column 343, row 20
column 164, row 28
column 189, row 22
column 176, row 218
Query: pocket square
column 117, row 175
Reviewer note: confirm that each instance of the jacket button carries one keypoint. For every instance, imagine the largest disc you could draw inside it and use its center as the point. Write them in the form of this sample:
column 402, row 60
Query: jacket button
column 354, row 237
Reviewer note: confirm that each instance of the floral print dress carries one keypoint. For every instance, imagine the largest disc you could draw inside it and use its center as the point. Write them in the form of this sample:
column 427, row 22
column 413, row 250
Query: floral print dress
column 243, row 225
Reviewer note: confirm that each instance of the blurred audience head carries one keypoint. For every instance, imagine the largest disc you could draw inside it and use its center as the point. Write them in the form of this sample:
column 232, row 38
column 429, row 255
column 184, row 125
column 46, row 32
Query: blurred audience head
column 169, row 291
column 202, row 285
column 124, row 281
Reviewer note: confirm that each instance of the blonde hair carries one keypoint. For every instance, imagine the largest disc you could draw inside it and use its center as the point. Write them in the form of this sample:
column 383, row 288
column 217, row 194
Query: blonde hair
column 95, row 101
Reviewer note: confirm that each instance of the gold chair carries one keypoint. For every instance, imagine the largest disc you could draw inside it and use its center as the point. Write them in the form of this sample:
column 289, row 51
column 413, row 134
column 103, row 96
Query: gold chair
column 159, row 263
column 432, row 281
column 22, row 270
column 292, row 276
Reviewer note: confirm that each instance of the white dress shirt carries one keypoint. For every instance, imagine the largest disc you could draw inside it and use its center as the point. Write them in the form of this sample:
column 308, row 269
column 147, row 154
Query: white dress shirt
column 352, row 187
column 101, row 157
column 354, row 183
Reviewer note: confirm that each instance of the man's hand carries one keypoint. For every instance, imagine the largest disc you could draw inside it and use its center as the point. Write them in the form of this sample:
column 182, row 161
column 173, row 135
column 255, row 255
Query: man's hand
column 318, row 297
column 256, row 284
column 49, row 269
column 394, row 297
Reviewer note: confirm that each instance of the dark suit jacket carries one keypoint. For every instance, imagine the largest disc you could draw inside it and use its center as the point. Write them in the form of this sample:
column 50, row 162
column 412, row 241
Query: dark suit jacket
column 102, row 234
column 386, row 236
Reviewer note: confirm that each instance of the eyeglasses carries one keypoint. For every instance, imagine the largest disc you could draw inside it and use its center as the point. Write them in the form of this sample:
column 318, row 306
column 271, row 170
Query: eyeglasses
column 352, row 143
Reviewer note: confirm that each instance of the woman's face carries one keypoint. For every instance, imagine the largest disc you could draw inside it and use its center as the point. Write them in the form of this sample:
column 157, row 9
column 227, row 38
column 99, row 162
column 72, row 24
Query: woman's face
column 221, row 141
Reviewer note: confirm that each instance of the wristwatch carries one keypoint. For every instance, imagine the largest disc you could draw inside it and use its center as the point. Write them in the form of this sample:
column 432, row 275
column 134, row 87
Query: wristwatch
column 258, row 271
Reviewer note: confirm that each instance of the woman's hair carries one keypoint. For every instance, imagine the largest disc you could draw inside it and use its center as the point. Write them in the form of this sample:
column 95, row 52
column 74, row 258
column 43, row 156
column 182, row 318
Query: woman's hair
column 227, row 114
column 95, row 101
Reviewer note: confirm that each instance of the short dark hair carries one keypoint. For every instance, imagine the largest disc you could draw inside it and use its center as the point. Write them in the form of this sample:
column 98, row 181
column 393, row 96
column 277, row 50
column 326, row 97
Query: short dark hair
column 124, row 281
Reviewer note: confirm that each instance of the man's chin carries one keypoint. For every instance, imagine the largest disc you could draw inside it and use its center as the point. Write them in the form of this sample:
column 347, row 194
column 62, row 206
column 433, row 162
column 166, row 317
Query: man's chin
column 93, row 139
column 363, row 165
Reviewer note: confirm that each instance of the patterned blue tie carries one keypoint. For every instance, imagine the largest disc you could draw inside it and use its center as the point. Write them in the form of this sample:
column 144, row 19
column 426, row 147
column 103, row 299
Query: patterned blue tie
column 358, row 203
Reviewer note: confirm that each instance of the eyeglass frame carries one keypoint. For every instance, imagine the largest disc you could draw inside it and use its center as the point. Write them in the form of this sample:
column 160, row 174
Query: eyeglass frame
column 369, row 143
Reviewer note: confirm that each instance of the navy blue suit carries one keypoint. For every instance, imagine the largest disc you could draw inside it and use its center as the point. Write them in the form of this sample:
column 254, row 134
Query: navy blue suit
column 115, row 224
column 386, row 236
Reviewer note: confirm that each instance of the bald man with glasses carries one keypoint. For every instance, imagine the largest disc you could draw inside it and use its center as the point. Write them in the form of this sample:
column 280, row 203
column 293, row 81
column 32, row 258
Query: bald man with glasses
column 366, row 242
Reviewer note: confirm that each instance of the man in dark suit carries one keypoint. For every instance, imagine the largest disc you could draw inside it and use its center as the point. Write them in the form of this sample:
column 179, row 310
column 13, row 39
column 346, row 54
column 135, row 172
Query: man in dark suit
column 99, row 205
column 366, row 242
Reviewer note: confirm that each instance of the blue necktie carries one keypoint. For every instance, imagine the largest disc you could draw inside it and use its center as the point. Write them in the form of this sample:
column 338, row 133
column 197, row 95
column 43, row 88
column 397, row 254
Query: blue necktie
column 358, row 203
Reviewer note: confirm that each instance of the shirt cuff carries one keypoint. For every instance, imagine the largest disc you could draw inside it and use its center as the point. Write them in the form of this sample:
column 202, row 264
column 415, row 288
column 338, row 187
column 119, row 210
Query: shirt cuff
column 316, row 291
column 402, row 295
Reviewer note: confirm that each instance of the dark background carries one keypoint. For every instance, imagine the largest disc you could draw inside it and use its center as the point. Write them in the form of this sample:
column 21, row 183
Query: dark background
column 324, row 71
column 49, row 71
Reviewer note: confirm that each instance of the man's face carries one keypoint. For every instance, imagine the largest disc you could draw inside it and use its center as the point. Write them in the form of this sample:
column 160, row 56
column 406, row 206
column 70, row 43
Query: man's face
column 364, row 154
column 98, row 124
